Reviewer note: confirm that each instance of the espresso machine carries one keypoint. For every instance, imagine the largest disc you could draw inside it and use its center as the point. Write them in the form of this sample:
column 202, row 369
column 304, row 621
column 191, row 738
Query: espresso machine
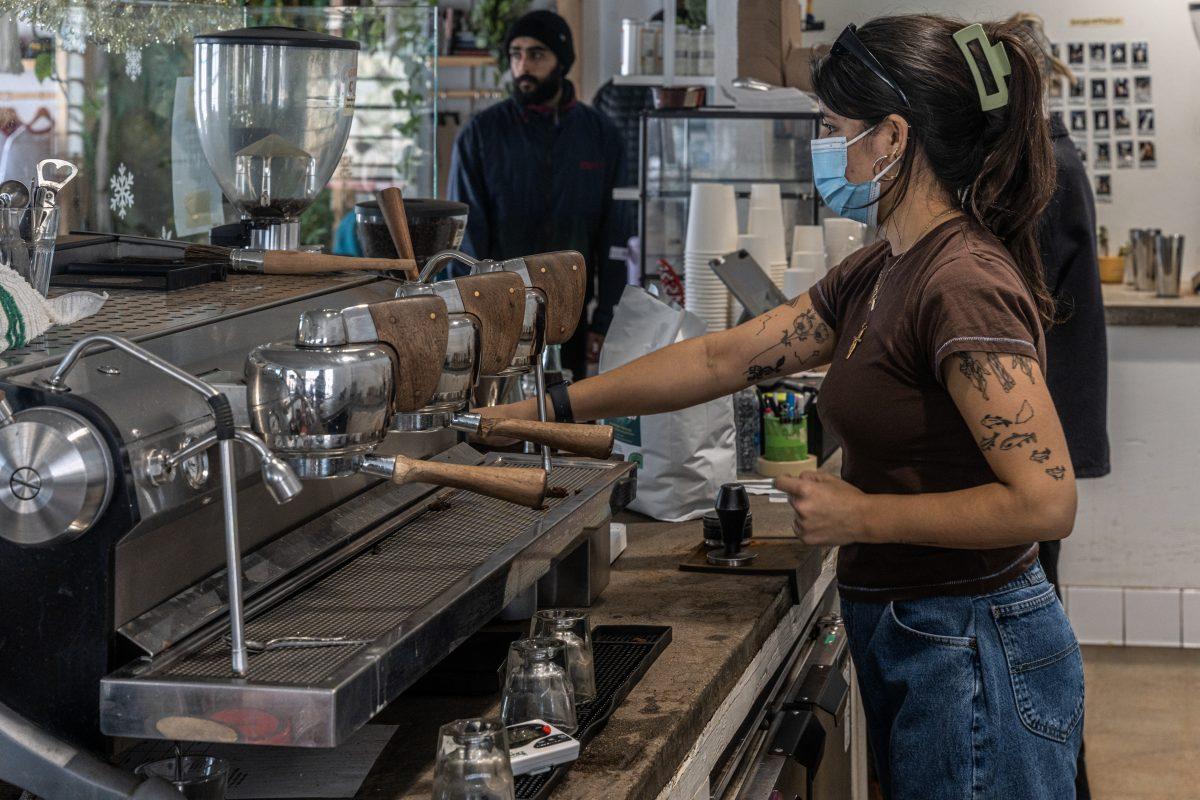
column 211, row 531
column 273, row 108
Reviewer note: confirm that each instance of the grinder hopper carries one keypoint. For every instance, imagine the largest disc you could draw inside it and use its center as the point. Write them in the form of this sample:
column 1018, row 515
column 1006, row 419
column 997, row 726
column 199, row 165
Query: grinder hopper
column 274, row 107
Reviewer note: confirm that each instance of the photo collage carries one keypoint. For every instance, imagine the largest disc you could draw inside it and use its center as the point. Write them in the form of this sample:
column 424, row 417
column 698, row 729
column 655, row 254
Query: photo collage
column 1108, row 109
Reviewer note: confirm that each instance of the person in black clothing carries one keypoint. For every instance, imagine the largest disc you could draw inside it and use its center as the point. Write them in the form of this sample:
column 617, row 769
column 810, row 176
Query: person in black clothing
column 1076, row 347
column 538, row 172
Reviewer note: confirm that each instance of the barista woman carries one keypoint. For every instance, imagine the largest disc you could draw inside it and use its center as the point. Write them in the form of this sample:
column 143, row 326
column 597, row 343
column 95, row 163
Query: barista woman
column 954, row 463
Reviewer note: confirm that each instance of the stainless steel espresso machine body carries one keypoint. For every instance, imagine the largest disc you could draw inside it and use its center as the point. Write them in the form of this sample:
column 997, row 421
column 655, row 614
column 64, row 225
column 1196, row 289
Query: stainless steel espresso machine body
column 117, row 606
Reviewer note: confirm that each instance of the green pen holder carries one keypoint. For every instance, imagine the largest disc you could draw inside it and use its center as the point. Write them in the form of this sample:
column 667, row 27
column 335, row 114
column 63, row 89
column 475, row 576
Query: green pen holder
column 784, row 441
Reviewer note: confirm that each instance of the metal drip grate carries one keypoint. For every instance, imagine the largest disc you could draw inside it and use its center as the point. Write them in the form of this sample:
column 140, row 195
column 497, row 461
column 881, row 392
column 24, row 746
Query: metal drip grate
column 137, row 315
column 378, row 590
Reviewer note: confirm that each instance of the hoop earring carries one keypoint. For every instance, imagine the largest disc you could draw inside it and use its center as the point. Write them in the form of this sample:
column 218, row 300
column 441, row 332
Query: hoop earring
column 875, row 169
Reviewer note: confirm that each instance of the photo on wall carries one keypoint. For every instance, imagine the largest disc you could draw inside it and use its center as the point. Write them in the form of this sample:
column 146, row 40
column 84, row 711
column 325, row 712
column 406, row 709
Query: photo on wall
column 1075, row 54
column 1055, row 91
column 1120, row 90
column 1078, row 122
column 1103, row 158
column 1098, row 55
column 1142, row 90
column 1081, row 151
column 1100, row 126
column 1078, row 91
column 1104, row 188
column 1147, row 156
column 1099, row 89
column 1118, row 54
column 1145, row 121
column 1139, row 54
column 1124, row 153
column 1121, row 121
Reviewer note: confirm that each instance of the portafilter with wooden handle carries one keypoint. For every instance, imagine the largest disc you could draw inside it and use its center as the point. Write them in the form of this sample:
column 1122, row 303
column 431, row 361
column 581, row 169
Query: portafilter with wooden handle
column 491, row 306
column 324, row 401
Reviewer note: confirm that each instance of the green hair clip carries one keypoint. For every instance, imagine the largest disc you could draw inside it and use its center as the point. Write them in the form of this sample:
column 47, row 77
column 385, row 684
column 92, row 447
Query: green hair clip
column 997, row 61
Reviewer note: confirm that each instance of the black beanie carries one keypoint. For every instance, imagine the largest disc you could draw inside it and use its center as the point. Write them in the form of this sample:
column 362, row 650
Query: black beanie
column 551, row 30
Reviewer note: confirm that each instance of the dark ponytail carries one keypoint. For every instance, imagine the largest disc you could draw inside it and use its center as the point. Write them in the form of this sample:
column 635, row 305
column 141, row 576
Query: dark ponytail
column 999, row 165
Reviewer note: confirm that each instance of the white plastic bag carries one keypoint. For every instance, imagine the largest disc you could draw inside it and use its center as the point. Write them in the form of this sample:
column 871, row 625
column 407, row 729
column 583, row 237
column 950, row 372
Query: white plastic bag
column 683, row 457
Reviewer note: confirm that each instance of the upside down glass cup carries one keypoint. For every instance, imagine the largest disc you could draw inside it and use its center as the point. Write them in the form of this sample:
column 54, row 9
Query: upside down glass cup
column 27, row 243
column 473, row 762
column 538, row 684
column 196, row 777
column 570, row 626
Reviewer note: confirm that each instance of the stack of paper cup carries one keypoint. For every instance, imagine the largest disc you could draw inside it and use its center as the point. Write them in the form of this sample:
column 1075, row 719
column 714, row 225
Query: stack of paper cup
column 766, row 221
column 842, row 237
column 712, row 232
column 808, row 260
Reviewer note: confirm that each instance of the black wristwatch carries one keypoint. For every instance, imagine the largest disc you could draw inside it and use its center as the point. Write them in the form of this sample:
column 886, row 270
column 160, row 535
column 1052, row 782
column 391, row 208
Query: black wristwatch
column 560, row 400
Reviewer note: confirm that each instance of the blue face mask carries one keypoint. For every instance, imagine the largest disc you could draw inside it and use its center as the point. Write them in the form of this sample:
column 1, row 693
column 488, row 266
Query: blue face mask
column 856, row 201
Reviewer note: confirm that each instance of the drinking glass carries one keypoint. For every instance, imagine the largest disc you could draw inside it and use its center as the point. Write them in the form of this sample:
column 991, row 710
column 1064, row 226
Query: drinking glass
column 27, row 243
column 570, row 626
column 472, row 762
column 538, row 685
column 196, row 777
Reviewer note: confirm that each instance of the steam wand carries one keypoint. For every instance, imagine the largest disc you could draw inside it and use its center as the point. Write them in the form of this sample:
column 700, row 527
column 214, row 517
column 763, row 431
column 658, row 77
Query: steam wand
column 280, row 479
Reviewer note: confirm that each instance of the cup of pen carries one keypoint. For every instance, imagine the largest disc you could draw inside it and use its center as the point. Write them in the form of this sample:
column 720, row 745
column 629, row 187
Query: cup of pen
column 537, row 684
column 473, row 762
column 570, row 626
column 27, row 237
column 196, row 777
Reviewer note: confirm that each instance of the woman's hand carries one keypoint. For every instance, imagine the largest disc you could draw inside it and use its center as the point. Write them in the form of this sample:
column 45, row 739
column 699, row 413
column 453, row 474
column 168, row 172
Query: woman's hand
column 829, row 511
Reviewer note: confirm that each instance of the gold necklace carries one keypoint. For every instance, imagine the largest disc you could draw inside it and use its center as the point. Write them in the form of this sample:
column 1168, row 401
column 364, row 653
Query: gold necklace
column 883, row 274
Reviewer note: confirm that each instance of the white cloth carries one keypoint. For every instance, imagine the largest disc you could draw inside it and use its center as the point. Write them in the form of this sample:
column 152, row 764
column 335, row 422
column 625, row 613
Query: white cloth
column 25, row 314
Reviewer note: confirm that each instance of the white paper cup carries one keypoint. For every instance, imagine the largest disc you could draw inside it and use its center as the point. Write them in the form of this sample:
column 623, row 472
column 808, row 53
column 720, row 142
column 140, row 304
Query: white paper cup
column 808, row 239
column 766, row 195
column 712, row 219
column 798, row 281
column 814, row 262
column 768, row 223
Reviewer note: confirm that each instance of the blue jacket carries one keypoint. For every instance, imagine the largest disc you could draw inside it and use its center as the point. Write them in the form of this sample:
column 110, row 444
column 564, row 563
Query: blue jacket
column 539, row 179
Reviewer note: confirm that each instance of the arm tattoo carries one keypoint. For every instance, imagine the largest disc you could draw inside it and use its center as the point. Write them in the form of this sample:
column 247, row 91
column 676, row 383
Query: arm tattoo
column 1040, row 456
column 1025, row 413
column 1025, row 365
column 974, row 372
column 1018, row 440
column 1058, row 473
column 988, row 442
column 805, row 326
column 991, row 422
column 1006, row 381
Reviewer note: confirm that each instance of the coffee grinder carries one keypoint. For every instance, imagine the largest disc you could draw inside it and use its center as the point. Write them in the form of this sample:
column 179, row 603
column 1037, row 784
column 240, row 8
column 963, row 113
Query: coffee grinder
column 274, row 107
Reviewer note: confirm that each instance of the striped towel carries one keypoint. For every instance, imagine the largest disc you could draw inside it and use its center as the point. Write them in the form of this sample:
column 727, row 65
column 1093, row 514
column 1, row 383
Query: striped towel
column 25, row 314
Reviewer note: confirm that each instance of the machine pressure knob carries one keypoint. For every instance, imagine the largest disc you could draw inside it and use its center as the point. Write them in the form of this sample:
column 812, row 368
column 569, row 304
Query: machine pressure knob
column 56, row 476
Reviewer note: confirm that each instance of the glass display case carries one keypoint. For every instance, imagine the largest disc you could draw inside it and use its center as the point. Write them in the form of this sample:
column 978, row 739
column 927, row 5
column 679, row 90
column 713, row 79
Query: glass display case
column 682, row 147
column 115, row 97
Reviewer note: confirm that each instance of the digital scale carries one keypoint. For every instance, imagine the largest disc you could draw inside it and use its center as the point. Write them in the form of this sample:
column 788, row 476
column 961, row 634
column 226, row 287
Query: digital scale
column 537, row 746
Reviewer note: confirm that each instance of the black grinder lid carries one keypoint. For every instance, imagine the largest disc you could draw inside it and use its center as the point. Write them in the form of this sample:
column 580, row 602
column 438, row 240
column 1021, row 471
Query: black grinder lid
column 279, row 36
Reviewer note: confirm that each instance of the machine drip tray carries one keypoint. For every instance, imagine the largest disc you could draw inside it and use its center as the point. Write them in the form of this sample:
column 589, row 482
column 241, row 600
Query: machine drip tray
column 623, row 654
column 419, row 588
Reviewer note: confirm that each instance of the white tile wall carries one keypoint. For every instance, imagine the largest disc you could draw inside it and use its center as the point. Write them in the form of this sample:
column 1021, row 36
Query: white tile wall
column 1191, row 617
column 1097, row 614
column 1152, row 617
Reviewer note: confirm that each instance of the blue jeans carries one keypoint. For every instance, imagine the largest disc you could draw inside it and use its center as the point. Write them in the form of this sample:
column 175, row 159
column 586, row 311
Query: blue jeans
column 977, row 698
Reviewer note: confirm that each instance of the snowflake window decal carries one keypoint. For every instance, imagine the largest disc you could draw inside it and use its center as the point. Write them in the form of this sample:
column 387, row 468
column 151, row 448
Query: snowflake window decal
column 121, row 186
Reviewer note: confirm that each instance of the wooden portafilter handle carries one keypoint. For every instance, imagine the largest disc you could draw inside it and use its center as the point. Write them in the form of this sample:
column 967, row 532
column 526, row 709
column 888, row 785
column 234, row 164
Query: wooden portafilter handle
column 592, row 441
column 525, row 487
column 294, row 262
column 391, row 205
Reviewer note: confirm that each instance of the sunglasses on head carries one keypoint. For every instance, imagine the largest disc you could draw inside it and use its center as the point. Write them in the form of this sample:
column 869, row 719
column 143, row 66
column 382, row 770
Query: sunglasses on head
column 848, row 43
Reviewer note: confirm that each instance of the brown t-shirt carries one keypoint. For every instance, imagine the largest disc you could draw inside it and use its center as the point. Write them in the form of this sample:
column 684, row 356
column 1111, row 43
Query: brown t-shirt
column 957, row 290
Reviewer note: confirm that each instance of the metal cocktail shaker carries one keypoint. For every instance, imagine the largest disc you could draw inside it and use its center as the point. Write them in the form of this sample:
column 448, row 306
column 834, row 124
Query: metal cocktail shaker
column 1168, row 264
column 1142, row 246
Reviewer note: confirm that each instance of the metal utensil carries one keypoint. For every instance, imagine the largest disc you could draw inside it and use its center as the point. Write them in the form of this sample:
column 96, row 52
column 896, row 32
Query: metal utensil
column 13, row 194
column 52, row 175
column 299, row 643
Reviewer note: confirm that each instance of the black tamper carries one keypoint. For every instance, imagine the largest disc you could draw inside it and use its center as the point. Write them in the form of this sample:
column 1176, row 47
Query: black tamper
column 732, row 507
